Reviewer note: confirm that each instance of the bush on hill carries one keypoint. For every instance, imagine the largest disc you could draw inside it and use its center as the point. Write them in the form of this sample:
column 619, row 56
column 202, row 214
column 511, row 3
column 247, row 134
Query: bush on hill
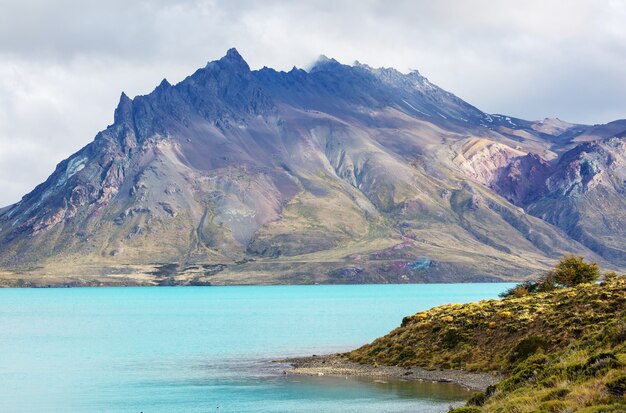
column 571, row 271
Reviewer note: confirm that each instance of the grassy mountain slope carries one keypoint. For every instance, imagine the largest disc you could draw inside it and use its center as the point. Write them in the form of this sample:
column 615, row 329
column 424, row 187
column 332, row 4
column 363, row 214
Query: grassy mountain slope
column 561, row 351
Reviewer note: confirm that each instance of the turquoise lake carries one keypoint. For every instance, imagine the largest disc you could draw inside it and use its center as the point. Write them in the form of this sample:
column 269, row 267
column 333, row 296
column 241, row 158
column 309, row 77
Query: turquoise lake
column 207, row 349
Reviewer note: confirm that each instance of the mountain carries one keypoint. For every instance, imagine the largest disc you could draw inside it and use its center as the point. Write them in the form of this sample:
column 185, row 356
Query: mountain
column 338, row 174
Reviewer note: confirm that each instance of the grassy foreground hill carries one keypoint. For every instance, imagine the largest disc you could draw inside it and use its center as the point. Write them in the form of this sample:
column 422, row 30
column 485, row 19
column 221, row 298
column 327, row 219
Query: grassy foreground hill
column 560, row 351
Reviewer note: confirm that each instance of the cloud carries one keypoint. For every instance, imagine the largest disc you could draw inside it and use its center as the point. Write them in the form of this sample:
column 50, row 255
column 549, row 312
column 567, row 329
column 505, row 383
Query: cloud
column 63, row 64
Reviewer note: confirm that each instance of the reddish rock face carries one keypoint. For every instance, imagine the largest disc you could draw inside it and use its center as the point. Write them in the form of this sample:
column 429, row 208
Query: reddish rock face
column 581, row 191
column 523, row 179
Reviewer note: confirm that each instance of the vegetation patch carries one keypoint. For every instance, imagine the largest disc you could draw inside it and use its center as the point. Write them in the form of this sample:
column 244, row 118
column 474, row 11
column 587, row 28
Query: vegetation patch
column 527, row 347
column 560, row 343
column 617, row 387
column 165, row 270
column 212, row 269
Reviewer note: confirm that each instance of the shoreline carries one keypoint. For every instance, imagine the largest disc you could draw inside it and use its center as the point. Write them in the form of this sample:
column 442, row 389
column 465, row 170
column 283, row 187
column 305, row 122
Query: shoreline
column 13, row 281
column 339, row 365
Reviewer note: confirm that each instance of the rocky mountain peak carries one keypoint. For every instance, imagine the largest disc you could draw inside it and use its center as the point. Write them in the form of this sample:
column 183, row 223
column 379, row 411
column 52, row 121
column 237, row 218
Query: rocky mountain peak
column 124, row 108
column 233, row 61
column 164, row 84
column 324, row 62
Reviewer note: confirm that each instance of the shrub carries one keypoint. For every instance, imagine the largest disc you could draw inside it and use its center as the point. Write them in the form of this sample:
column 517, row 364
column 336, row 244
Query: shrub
column 616, row 334
column 570, row 271
column 555, row 394
column 527, row 347
column 610, row 276
column 601, row 362
column 554, row 406
column 594, row 366
column 465, row 410
column 451, row 338
column 477, row 399
column 573, row 270
column 603, row 409
column 525, row 288
column 520, row 290
column 617, row 387
column 525, row 371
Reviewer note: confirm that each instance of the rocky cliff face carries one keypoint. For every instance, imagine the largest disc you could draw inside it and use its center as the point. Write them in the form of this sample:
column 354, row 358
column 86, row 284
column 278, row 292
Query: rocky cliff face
column 341, row 174
column 585, row 194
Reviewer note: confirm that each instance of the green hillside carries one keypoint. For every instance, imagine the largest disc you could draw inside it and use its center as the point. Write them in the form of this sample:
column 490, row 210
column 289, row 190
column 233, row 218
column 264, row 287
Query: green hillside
column 561, row 351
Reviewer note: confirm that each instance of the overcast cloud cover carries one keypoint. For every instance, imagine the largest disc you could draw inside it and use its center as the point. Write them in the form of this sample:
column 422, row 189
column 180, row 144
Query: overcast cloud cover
column 63, row 63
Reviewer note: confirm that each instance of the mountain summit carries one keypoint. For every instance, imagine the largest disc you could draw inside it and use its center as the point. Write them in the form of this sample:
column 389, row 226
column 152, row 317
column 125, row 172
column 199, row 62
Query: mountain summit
column 339, row 174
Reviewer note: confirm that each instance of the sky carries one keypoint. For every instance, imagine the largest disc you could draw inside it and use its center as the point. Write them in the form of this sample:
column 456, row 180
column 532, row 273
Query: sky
column 64, row 63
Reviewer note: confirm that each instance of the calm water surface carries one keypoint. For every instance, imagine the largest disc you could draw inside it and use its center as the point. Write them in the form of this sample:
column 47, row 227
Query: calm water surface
column 207, row 349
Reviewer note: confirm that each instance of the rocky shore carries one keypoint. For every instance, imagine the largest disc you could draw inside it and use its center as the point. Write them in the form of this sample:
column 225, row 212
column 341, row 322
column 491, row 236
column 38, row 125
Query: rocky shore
column 340, row 365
